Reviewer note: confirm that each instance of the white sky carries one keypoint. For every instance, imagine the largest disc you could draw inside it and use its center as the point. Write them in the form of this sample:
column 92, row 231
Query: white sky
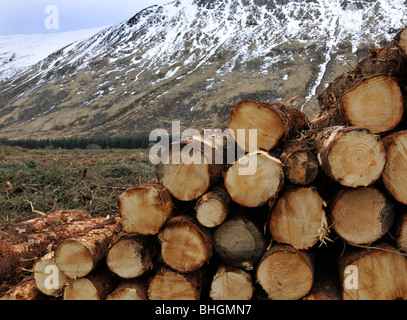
column 30, row 16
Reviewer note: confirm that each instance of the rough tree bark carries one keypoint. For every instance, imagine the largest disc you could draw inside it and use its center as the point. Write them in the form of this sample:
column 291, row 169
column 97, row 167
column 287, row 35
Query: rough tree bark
column 24, row 290
column 43, row 222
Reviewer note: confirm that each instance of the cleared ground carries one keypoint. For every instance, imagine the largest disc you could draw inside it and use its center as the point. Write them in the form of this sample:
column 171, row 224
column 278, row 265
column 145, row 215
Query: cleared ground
column 42, row 181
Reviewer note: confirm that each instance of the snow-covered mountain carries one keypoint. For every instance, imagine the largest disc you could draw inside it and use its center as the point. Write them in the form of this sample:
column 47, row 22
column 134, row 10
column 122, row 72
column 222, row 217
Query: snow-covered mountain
column 192, row 60
column 21, row 51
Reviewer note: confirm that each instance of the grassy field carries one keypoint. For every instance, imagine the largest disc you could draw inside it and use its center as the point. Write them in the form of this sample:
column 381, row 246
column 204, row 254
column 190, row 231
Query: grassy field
column 33, row 182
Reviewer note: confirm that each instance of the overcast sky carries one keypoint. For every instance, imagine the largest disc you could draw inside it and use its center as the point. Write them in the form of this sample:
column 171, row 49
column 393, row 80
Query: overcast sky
column 50, row 16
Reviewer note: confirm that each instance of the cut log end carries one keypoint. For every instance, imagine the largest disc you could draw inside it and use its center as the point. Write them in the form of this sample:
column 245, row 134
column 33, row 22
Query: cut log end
column 48, row 278
column 395, row 172
column 129, row 258
column 376, row 103
column 239, row 243
column 301, row 167
column 399, row 231
column 352, row 156
column 95, row 286
column 361, row 215
column 170, row 285
column 250, row 114
column 213, row 207
column 145, row 209
column 285, row 274
column 273, row 121
column 298, row 218
column 374, row 274
column 189, row 167
column 211, row 213
column 134, row 289
column 254, row 179
column 231, row 284
column 184, row 245
column 81, row 289
column 73, row 259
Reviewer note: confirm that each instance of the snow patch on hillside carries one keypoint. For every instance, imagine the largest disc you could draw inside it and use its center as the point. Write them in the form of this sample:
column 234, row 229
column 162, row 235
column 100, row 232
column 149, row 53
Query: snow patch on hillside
column 21, row 51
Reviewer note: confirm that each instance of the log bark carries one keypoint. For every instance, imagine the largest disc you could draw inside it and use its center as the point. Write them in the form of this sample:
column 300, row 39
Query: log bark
column 43, row 222
column 300, row 163
column 167, row 284
column 21, row 252
column 395, row 171
column 185, row 246
column 131, row 256
column 285, row 273
column 48, row 278
column 231, row 284
column 254, row 179
column 213, row 207
column 373, row 273
column 145, row 209
column 24, row 290
column 362, row 215
column 95, row 286
column 239, row 243
column 274, row 121
column 130, row 289
column 77, row 257
column 351, row 156
column 298, row 218
column 189, row 167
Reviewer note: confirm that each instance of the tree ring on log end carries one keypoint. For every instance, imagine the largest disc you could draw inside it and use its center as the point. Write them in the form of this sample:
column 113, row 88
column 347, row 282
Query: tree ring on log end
column 395, row 172
column 376, row 103
column 362, row 215
column 73, row 259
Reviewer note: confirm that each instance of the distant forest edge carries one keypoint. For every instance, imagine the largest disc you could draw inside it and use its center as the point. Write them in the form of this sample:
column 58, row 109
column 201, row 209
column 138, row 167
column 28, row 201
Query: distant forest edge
column 127, row 142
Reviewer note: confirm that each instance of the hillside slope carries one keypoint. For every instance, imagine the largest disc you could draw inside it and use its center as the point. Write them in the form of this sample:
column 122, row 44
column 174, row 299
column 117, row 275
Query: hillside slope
column 192, row 60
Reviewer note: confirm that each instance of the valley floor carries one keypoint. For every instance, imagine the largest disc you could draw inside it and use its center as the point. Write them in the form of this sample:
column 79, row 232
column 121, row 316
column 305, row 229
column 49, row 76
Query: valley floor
column 39, row 181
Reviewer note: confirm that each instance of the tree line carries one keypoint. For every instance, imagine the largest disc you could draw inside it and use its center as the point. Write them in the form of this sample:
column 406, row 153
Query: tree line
column 127, row 142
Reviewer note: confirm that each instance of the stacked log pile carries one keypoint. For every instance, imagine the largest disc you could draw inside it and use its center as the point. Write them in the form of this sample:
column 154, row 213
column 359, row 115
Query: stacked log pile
column 322, row 217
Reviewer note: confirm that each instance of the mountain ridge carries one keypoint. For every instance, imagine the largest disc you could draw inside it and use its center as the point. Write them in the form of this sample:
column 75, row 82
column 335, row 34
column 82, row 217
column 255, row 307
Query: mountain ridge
column 192, row 61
